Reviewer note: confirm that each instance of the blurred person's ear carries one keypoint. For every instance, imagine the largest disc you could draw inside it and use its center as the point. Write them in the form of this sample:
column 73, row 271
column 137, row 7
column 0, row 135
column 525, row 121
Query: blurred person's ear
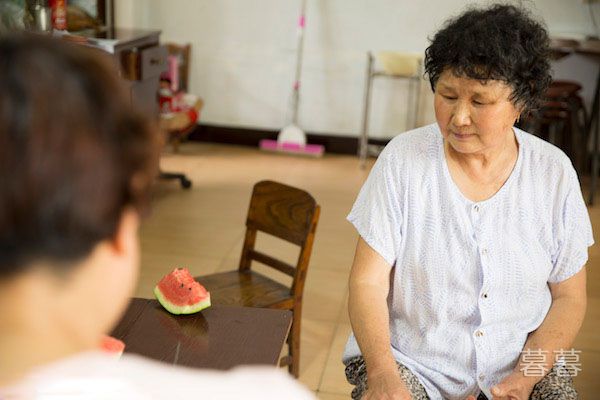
column 122, row 253
column 125, row 241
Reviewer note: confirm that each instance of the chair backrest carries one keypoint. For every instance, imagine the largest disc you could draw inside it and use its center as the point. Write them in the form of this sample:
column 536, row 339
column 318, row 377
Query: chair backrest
column 285, row 212
column 401, row 64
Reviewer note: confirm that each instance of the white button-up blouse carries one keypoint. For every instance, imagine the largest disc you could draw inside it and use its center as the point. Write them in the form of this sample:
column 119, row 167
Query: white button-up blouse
column 470, row 280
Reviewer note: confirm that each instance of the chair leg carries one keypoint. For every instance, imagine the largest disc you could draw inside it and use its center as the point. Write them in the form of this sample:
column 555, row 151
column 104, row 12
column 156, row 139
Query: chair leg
column 294, row 344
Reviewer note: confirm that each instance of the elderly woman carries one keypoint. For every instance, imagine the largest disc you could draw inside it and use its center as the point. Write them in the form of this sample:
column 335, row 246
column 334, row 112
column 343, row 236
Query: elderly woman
column 76, row 164
column 468, row 278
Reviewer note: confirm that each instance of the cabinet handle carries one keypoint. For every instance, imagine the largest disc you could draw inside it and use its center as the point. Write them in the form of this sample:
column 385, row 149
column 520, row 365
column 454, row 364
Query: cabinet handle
column 155, row 61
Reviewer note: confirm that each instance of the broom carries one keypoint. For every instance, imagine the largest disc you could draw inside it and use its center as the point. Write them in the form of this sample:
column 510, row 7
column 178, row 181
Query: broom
column 292, row 139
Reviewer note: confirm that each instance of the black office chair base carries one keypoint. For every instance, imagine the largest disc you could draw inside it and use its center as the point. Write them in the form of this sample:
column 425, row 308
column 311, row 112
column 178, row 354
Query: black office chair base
column 183, row 180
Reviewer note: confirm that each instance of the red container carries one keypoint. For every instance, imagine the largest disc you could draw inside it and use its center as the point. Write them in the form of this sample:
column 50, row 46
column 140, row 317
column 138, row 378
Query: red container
column 165, row 101
column 59, row 14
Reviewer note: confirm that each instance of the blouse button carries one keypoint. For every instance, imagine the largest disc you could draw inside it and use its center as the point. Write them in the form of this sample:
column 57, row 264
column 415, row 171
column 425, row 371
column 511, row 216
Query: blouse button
column 478, row 333
column 476, row 207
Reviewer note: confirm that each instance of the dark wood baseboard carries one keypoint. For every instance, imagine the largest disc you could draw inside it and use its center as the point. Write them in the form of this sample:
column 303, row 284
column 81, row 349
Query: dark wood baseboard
column 251, row 137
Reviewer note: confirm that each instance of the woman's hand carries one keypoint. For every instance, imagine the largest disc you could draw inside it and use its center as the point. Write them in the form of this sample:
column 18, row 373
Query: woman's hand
column 515, row 386
column 386, row 385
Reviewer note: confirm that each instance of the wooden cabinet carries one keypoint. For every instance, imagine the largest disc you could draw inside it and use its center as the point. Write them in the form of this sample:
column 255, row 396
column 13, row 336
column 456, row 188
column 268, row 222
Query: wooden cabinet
column 142, row 59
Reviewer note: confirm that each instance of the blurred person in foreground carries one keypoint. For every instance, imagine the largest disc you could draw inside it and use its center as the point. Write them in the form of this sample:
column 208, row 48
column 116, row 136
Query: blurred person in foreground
column 76, row 165
column 468, row 280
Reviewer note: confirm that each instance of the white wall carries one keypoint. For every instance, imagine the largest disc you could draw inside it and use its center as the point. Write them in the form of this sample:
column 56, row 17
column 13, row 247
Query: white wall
column 244, row 55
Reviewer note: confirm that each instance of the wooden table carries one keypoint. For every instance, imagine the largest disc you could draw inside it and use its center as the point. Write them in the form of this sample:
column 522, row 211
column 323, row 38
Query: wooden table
column 219, row 337
column 590, row 47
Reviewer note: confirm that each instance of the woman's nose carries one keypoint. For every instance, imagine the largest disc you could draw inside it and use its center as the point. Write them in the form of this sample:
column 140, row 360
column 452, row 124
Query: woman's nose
column 461, row 115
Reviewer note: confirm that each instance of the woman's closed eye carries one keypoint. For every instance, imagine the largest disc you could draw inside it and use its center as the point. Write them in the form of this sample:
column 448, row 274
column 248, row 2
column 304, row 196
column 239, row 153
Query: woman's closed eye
column 449, row 97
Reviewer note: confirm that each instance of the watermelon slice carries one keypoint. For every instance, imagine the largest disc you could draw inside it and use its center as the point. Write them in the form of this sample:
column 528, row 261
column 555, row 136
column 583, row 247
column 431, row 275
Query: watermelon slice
column 112, row 345
column 179, row 293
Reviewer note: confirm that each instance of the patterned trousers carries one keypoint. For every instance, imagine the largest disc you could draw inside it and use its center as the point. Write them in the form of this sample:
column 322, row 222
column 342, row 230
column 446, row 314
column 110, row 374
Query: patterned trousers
column 552, row 387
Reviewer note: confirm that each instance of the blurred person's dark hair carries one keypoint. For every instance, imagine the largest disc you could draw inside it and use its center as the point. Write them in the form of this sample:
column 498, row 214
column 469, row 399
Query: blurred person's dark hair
column 500, row 42
column 73, row 153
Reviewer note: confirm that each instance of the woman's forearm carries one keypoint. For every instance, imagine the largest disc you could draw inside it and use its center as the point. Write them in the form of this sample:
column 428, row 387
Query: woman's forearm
column 556, row 333
column 367, row 305
column 369, row 316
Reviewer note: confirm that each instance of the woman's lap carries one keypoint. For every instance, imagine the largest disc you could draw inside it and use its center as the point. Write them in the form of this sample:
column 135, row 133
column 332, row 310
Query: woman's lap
column 557, row 384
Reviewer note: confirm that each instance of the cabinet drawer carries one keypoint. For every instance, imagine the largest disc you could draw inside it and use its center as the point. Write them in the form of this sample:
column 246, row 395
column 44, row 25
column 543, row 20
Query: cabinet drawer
column 143, row 96
column 153, row 61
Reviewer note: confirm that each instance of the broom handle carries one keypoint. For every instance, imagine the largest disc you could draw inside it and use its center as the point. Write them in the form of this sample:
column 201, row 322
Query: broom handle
column 299, row 54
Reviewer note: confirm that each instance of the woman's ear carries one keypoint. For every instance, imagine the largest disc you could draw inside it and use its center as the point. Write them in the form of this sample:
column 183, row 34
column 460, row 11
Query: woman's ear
column 521, row 111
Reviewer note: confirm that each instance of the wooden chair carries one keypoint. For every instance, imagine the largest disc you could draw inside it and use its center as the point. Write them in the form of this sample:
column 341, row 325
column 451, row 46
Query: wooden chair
column 290, row 214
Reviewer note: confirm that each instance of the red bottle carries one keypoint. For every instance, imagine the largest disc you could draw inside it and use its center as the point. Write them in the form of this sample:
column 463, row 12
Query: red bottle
column 59, row 14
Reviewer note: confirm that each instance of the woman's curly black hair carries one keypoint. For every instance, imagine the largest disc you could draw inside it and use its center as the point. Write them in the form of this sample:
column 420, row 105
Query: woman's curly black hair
column 501, row 42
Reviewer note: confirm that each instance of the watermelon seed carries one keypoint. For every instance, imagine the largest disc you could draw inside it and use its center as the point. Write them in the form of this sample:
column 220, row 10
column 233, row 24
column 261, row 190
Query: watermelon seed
column 189, row 288
column 182, row 285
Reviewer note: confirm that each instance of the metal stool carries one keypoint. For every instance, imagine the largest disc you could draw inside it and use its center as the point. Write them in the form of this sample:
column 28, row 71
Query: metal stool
column 396, row 66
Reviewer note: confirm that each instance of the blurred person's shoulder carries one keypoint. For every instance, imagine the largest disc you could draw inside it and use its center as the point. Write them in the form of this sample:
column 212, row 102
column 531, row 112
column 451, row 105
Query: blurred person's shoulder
column 99, row 376
column 250, row 382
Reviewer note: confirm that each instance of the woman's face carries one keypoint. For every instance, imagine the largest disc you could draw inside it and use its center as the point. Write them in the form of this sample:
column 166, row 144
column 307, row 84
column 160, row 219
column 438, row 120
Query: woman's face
column 473, row 116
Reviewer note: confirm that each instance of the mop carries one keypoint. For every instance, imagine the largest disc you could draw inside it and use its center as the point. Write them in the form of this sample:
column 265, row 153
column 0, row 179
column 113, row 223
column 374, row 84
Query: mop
column 292, row 139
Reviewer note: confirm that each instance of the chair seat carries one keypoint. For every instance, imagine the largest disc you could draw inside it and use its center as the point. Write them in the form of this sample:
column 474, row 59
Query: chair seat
column 246, row 288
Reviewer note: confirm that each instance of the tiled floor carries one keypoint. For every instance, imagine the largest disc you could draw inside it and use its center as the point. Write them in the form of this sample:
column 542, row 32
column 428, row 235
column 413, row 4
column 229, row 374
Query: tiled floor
column 202, row 229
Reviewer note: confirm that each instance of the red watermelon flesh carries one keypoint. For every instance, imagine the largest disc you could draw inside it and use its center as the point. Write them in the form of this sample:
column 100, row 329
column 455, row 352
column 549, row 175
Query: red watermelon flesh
column 179, row 293
column 112, row 345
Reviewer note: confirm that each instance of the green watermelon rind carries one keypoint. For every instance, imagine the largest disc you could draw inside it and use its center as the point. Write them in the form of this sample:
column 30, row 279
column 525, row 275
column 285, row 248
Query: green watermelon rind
column 178, row 310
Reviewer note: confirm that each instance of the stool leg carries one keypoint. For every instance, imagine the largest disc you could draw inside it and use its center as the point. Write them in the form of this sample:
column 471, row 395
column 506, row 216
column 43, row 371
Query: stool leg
column 574, row 141
column 578, row 139
column 409, row 105
column 595, row 129
column 417, row 99
column 584, row 139
column 364, row 137
column 592, row 128
column 553, row 131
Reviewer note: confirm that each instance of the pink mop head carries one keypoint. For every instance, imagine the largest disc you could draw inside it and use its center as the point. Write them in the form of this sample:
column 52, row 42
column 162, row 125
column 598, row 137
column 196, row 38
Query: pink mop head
column 314, row 150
